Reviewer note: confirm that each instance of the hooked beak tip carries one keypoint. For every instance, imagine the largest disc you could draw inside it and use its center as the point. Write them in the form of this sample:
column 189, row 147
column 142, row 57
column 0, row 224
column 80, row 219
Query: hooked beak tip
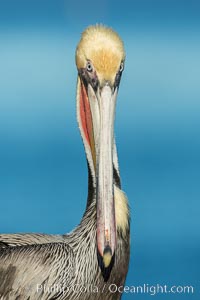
column 107, row 256
column 106, row 262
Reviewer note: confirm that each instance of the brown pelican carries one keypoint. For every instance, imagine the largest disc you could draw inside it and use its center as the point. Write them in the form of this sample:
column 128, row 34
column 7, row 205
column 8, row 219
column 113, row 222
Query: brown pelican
column 91, row 261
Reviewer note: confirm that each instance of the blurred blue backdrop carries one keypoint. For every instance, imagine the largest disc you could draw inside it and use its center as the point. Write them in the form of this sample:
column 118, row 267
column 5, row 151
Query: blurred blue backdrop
column 43, row 173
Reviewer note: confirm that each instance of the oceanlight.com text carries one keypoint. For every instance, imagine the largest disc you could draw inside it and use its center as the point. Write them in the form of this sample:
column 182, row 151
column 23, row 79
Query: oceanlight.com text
column 152, row 289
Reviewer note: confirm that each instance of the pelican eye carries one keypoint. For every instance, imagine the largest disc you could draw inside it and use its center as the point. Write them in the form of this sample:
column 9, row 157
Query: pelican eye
column 121, row 68
column 89, row 67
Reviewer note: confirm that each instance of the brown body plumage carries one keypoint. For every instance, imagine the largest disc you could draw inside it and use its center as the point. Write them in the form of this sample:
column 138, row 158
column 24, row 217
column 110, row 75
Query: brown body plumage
column 78, row 265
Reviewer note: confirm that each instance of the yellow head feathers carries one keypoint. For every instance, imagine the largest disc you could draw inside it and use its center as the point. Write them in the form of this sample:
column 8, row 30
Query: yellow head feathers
column 104, row 48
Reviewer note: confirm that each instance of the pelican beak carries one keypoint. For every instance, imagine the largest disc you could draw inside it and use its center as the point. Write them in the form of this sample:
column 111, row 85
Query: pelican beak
column 106, row 227
column 98, row 111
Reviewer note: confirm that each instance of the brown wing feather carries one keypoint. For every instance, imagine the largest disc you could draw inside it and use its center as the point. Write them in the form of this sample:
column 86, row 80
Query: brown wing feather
column 27, row 271
column 23, row 239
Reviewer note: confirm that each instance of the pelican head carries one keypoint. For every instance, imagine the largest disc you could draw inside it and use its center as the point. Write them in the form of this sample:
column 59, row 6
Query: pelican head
column 100, row 59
